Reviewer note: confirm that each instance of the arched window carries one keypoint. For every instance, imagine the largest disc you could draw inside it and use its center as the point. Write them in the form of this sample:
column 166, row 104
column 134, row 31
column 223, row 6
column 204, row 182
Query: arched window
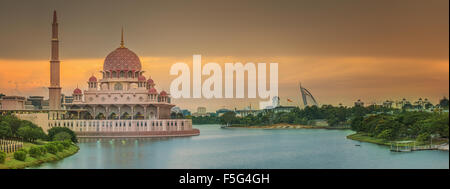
column 136, row 74
column 118, row 87
column 130, row 74
column 114, row 74
column 122, row 74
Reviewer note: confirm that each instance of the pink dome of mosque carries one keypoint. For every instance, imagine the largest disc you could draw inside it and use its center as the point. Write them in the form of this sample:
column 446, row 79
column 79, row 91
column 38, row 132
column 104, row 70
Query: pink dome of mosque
column 150, row 81
column 77, row 91
column 163, row 93
column 141, row 78
column 122, row 59
column 152, row 91
column 92, row 79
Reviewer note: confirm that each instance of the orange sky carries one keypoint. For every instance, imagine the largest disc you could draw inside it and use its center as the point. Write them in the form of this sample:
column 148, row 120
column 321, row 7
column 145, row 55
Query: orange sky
column 342, row 81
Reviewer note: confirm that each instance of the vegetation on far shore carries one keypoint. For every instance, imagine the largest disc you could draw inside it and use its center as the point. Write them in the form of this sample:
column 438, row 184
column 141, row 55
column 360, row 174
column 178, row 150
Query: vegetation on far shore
column 419, row 126
column 288, row 126
column 364, row 137
column 374, row 123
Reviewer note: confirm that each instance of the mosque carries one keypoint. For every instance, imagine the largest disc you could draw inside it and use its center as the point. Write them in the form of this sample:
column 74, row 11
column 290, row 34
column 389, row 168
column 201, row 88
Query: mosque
column 121, row 103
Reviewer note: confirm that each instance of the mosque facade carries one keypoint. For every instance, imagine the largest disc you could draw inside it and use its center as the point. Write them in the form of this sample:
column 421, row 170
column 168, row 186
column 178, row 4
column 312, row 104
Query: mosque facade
column 121, row 102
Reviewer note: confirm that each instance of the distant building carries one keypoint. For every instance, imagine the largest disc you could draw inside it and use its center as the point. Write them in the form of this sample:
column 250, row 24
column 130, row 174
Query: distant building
column 68, row 99
column 403, row 104
column 220, row 112
column 283, row 109
column 244, row 113
column 176, row 109
column 29, row 105
column 36, row 101
column 45, row 105
column 186, row 112
column 306, row 94
column 22, row 103
column 359, row 103
column 211, row 114
column 275, row 103
column 201, row 111
column 13, row 102
column 388, row 104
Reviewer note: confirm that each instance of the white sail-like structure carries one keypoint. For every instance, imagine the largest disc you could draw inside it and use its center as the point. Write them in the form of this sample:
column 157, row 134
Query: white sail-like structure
column 307, row 97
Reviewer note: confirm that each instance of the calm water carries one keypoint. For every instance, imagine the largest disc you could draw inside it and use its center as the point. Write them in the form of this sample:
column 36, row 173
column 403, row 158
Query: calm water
column 247, row 148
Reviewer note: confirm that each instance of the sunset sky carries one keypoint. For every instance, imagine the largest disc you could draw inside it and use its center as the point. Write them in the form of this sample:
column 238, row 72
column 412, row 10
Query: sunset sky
column 340, row 50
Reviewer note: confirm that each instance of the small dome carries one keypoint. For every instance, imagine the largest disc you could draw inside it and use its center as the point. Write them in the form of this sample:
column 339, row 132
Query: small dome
column 150, row 81
column 152, row 91
column 163, row 93
column 92, row 79
column 141, row 78
column 77, row 91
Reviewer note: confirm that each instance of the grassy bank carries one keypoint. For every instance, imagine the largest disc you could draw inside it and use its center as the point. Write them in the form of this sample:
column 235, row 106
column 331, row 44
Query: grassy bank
column 288, row 126
column 12, row 163
column 363, row 137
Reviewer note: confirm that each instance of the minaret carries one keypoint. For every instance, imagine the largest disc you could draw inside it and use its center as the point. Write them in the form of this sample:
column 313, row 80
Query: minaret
column 54, row 90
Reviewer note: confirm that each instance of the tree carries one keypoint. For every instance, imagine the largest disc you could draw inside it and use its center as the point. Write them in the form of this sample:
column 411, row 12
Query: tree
column 30, row 133
column 55, row 130
column 444, row 103
column 386, row 135
column 62, row 136
column 228, row 117
column 423, row 137
column 5, row 130
column 356, row 123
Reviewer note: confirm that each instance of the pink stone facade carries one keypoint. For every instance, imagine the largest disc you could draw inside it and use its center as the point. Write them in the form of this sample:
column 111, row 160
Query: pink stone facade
column 115, row 126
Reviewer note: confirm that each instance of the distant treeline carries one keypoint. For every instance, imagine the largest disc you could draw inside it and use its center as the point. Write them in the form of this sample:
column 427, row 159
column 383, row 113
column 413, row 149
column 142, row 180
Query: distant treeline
column 404, row 125
column 377, row 121
column 13, row 128
column 335, row 116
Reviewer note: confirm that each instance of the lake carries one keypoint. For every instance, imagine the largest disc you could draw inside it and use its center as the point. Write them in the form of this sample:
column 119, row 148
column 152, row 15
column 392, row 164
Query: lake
column 241, row 148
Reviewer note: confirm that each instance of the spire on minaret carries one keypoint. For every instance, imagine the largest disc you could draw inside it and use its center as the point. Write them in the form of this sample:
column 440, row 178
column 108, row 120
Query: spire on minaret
column 54, row 17
column 121, row 41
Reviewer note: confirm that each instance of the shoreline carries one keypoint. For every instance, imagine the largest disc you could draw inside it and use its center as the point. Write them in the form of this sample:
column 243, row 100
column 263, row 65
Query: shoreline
column 443, row 146
column 11, row 163
column 287, row 126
